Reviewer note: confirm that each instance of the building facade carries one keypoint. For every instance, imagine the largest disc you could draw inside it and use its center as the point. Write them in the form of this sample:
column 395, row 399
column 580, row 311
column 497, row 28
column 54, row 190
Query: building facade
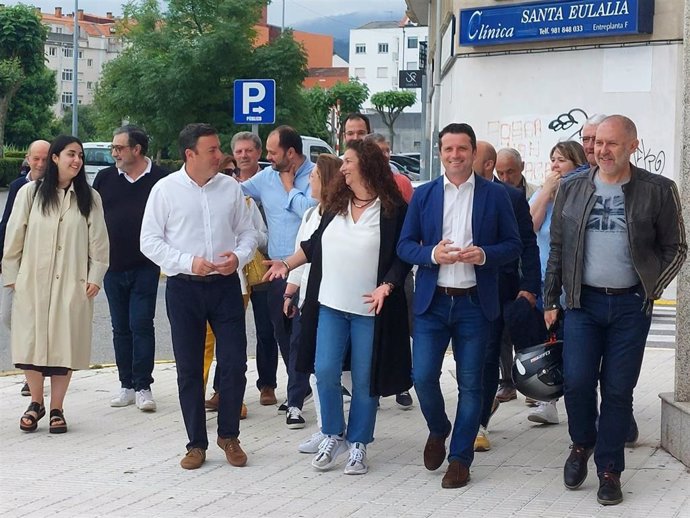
column 97, row 45
column 585, row 57
column 380, row 50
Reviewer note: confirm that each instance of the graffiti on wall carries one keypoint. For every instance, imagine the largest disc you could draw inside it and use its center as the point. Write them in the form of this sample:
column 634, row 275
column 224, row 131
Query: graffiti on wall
column 646, row 159
column 576, row 117
column 524, row 134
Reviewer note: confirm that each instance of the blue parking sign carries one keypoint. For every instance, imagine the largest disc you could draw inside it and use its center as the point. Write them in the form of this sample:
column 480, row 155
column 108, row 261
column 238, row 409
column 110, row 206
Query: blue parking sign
column 255, row 101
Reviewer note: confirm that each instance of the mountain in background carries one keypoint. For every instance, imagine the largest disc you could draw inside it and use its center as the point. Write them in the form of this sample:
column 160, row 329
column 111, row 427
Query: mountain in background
column 339, row 26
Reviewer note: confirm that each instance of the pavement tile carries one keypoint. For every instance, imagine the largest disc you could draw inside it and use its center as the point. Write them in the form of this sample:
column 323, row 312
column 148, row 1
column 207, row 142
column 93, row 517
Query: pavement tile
column 120, row 462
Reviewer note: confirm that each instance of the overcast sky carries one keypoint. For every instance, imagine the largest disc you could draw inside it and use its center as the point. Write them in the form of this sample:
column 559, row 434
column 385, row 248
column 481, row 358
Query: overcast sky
column 295, row 10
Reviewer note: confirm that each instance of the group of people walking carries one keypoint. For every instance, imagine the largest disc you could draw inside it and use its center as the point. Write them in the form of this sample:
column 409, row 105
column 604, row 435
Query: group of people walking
column 593, row 248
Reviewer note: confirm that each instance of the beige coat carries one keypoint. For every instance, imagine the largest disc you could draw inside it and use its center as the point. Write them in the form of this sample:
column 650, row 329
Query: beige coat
column 50, row 259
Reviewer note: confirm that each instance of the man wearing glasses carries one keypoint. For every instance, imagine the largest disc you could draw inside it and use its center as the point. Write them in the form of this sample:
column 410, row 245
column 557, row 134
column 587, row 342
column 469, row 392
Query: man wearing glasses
column 131, row 283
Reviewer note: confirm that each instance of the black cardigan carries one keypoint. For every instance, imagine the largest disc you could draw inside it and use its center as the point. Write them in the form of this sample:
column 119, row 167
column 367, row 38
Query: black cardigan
column 391, row 358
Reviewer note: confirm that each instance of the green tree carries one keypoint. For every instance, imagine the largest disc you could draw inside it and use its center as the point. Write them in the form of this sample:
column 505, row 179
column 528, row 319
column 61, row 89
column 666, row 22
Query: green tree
column 22, row 36
column 350, row 96
column 390, row 105
column 179, row 67
column 30, row 115
column 87, row 117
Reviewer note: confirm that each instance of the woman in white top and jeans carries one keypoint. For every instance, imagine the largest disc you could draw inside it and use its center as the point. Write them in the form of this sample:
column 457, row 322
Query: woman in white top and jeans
column 355, row 296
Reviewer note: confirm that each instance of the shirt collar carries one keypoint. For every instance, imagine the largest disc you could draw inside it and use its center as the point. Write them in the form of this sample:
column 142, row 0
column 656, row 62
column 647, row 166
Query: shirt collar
column 146, row 171
column 469, row 181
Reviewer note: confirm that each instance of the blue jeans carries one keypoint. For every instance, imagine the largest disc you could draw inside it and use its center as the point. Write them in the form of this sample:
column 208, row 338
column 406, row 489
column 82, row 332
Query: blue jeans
column 337, row 330
column 190, row 305
column 603, row 342
column 491, row 368
column 298, row 382
column 132, row 302
column 460, row 319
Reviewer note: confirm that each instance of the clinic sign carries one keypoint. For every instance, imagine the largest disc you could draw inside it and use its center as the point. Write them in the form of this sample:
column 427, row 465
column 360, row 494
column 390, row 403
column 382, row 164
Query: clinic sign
column 567, row 19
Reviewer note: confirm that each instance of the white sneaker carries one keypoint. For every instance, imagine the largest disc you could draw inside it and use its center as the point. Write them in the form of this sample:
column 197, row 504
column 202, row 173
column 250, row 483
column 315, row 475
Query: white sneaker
column 357, row 463
column 329, row 450
column 311, row 445
column 545, row 413
column 124, row 398
column 145, row 401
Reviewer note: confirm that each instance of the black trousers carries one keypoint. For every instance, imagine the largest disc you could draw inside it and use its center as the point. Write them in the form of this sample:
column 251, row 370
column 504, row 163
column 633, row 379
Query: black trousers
column 190, row 304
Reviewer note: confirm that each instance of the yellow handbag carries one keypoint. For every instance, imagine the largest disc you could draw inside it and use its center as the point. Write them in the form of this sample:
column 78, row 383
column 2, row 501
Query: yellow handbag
column 255, row 269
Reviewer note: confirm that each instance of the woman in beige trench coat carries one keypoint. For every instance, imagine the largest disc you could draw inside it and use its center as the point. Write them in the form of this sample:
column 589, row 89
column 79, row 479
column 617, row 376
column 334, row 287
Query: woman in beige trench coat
column 55, row 257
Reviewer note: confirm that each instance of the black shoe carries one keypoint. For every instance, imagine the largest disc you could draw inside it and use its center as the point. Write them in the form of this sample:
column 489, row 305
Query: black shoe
column 294, row 419
column 25, row 390
column 609, row 489
column 575, row 469
column 404, row 400
column 633, row 433
column 283, row 407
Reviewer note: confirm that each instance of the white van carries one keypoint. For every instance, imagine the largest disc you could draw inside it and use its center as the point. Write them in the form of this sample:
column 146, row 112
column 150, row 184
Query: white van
column 312, row 147
column 96, row 157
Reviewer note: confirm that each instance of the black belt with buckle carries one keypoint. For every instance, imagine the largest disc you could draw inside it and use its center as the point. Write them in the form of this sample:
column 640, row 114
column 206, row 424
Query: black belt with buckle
column 456, row 292
column 199, row 278
column 612, row 291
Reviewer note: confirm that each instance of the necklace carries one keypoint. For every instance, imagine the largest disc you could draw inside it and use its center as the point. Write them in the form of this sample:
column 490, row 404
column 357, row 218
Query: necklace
column 367, row 202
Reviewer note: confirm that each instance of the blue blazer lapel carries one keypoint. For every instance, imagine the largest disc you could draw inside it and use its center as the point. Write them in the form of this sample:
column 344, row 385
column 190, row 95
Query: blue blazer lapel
column 478, row 206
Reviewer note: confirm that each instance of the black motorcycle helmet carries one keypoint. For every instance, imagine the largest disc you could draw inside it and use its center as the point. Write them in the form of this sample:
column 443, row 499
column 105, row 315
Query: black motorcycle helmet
column 538, row 370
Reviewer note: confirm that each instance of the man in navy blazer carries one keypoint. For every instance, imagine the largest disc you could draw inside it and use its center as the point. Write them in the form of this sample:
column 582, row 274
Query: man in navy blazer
column 459, row 229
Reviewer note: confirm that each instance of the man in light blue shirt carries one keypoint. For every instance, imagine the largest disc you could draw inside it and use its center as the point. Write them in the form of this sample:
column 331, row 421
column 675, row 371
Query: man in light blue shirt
column 283, row 191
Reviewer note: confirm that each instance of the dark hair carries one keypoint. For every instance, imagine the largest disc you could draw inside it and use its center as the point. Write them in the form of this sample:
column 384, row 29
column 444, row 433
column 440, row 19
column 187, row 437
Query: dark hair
column 47, row 189
column 190, row 135
column 288, row 138
column 329, row 171
column 228, row 162
column 457, row 128
column 355, row 116
column 376, row 173
column 135, row 136
column 572, row 151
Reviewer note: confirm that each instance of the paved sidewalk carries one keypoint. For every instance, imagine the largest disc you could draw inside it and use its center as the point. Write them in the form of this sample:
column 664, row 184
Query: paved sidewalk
column 124, row 463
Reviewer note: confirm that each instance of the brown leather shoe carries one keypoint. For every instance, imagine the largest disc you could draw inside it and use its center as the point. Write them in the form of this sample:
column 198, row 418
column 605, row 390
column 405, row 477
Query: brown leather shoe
column 233, row 451
column 457, row 475
column 268, row 396
column 243, row 412
column 212, row 404
column 194, row 458
column 435, row 451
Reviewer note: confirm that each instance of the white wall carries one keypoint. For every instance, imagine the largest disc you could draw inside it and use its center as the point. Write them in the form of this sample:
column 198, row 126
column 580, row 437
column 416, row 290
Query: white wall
column 532, row 101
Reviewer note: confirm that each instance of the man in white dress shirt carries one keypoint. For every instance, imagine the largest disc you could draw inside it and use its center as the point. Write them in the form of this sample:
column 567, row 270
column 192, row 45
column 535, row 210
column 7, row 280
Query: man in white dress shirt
column 197, row 228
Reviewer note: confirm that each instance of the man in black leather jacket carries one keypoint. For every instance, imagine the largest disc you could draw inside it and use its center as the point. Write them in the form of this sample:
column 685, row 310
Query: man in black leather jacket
column 617, row 241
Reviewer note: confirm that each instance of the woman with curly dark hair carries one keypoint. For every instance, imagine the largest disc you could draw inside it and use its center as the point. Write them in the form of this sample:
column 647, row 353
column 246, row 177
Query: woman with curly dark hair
column 355, row 299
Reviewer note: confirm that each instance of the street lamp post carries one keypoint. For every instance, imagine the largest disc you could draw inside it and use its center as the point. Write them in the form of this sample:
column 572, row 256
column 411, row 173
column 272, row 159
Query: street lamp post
column 75, row 72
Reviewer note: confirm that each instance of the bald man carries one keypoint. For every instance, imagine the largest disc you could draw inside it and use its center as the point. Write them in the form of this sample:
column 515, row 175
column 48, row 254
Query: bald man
column 509, row 168
column 621, row 244
column 37, row 158
column 519, row 279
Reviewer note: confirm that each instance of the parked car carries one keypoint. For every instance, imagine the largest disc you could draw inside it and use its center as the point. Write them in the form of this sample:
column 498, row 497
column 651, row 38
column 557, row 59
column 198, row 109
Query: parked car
column 414, row 154
column 96, row 157
column 312, row 147
column 411, row 164
column 402, row 169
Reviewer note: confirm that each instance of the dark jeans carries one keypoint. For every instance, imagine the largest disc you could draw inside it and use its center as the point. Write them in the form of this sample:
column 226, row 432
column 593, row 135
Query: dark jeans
column 490, row 377
column 460, row 319
column 132, row 302
column 603, row 342
column 298, row 382
column 190, row 305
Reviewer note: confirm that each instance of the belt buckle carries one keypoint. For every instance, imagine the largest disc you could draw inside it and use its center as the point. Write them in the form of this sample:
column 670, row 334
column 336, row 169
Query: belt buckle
column 608, row 291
